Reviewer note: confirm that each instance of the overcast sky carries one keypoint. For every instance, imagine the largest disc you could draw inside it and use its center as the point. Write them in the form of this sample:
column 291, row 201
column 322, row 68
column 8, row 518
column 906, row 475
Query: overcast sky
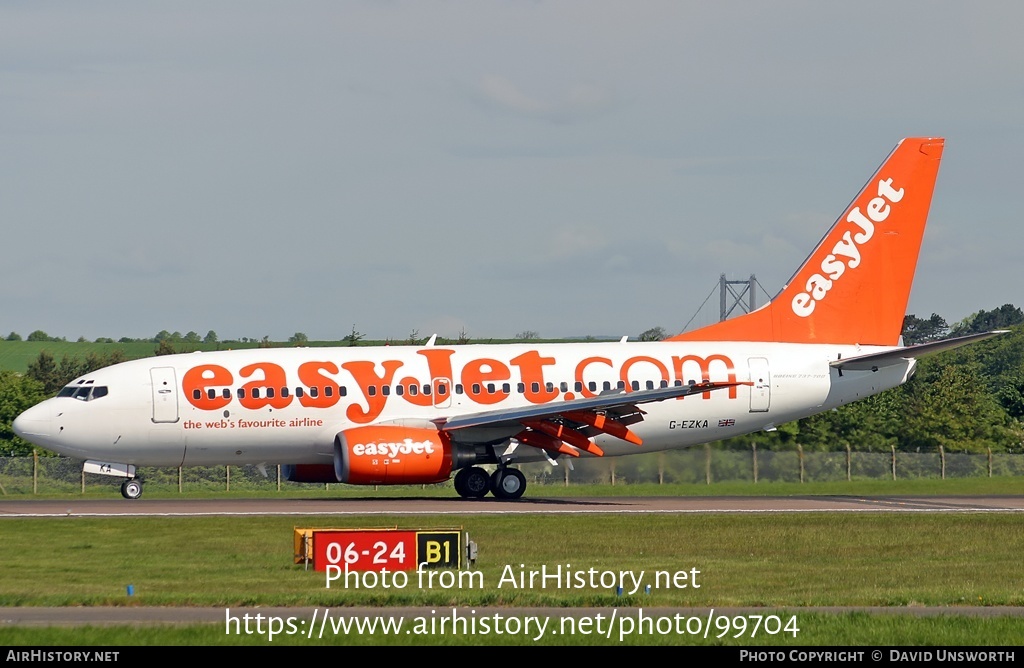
column 570, row 167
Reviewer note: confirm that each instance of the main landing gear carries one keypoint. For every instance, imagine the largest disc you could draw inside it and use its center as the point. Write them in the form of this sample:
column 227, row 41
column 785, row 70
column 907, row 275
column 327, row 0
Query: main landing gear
column 473, row 483
column 131, row 488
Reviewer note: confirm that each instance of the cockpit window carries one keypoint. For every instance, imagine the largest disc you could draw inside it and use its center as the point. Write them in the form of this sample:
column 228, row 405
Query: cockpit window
column 84, row 392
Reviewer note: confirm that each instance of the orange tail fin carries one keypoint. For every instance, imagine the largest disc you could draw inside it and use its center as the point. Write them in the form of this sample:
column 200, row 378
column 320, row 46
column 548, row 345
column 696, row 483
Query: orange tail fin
column 854, row 286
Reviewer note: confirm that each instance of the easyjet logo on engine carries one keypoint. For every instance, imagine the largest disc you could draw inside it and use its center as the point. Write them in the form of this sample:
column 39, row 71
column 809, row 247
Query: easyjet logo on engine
column 406, row 447
column 212, row 387
column 846, row 252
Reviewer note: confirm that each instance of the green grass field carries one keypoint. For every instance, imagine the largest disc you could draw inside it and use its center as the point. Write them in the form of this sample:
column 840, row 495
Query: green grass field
column 777, row 562
column 788, row 562
column 755, row 560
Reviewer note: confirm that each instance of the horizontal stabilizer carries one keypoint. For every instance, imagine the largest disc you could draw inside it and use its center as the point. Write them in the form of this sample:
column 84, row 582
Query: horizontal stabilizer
column 876, row 361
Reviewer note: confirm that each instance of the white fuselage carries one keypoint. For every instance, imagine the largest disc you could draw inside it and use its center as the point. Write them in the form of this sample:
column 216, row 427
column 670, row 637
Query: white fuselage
column 285, row 406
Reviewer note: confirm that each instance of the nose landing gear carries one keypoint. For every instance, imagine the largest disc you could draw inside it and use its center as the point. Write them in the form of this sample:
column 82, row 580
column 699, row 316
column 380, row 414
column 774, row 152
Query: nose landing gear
column 131, row 488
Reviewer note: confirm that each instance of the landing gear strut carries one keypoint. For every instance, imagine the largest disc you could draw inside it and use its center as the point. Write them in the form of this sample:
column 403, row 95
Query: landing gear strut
column 131, row 488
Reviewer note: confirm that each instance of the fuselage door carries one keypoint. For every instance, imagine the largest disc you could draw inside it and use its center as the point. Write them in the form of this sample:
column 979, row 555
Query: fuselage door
column 165, row 394
column 761, row 390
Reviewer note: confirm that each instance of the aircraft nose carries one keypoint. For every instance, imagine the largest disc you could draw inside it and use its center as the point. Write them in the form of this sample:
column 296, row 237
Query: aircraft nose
column 33, row 425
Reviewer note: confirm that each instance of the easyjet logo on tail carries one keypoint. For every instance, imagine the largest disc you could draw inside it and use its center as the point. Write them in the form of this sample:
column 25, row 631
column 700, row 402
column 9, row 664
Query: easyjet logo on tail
column 846, row 252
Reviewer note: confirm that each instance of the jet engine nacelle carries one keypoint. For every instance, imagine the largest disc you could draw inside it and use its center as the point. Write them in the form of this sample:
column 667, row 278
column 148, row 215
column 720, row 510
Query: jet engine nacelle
column 392, row 455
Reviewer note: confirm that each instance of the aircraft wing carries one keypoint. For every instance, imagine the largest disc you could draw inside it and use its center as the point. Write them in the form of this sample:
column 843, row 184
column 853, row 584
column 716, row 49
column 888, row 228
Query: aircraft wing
column 567, row 426
column 876, row 361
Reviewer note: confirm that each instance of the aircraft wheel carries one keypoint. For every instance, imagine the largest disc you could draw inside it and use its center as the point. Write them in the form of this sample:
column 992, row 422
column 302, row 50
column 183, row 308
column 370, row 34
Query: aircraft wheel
column 508, row 484
column 131, row 489
column 472, row 482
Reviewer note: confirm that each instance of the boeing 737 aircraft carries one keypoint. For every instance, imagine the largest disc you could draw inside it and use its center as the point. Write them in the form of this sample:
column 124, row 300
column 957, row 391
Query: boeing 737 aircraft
column 410, row 415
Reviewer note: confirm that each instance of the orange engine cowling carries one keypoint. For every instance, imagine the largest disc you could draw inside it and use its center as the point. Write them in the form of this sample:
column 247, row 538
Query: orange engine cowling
column 392, row 455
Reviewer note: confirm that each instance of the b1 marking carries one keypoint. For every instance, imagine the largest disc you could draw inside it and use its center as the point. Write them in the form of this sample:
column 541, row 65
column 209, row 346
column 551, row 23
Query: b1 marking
column 439, row 549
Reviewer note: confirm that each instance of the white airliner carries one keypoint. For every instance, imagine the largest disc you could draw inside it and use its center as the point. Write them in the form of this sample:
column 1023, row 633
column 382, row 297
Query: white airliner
column 410, row 415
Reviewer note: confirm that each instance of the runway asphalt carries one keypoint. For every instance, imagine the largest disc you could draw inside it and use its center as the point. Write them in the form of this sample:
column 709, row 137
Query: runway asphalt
column 457, row 506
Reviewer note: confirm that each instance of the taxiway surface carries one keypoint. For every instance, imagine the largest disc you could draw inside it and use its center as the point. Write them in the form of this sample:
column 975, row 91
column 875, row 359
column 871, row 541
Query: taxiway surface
column 456, row 506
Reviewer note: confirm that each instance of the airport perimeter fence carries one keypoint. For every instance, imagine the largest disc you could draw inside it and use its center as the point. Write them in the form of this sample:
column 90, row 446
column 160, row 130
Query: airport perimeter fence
column 707, row 465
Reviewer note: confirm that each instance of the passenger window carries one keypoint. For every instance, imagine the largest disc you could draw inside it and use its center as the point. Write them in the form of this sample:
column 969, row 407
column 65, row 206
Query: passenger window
column 314, row 392
column 211, row 393
column 197, row 394
column 506, row 388
column 635, row 385
column 328, row 391
column 299, row 392
column 399, row 390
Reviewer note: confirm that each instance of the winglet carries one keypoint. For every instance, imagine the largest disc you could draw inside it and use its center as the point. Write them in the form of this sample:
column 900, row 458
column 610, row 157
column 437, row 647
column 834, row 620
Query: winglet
column 854, row 287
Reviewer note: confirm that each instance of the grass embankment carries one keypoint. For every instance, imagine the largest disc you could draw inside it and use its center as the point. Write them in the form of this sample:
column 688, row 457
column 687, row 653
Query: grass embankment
column 778, row 560
column 780, row 563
